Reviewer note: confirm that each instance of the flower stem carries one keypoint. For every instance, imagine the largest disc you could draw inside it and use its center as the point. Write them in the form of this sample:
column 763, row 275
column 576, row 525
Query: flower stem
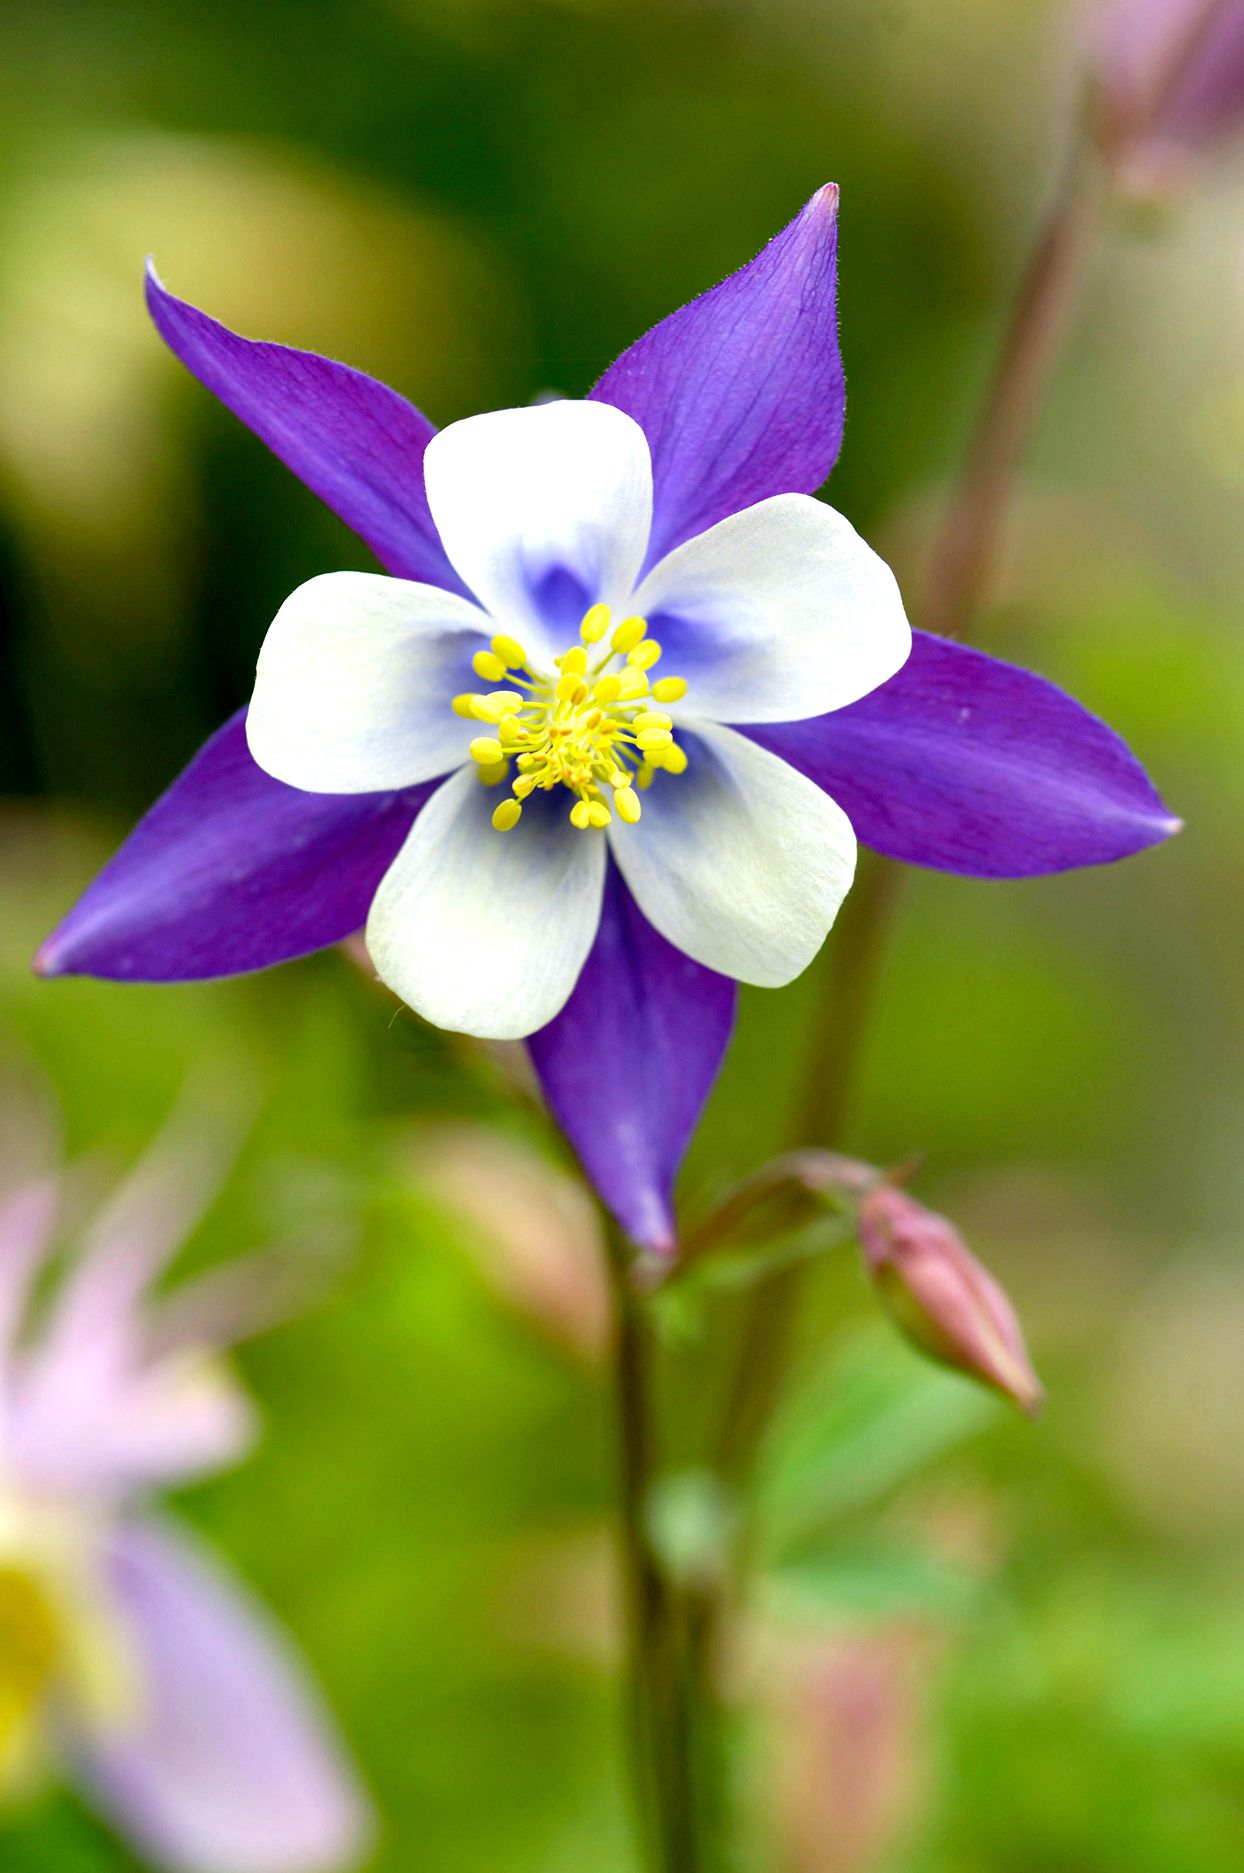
column 657, row 1687
column 965, row 549
column 960, row 565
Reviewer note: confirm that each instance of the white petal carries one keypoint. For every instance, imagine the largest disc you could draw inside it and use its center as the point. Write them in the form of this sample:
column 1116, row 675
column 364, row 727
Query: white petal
column 481, row 931
column 523, row 498
column 740, row 862
column 355, row 681
column 777, row 613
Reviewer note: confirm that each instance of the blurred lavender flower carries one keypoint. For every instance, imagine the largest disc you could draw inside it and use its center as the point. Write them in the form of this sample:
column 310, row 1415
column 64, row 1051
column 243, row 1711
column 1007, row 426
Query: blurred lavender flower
column 941, row 1296
column 1170, row 85
column 127, row 1651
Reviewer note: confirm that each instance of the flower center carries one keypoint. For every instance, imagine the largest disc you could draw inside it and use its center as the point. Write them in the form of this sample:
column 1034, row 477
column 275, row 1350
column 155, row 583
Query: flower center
column 30, row 1645
column 590, row 728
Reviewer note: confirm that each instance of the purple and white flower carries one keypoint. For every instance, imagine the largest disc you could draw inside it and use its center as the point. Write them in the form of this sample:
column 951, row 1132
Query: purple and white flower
column 128, row 1653
column 641, row 841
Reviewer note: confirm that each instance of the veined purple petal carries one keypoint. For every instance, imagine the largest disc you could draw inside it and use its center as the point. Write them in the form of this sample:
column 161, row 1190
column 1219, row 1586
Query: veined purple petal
column 356, row 443
column 231, row 1765
column 740, row 394
column 230, row 871
column 968, row 764
column 627, row 1065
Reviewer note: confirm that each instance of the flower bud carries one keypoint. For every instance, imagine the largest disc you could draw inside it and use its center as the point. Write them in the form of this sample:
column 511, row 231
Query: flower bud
column 941, row 1297
column 1170, row 85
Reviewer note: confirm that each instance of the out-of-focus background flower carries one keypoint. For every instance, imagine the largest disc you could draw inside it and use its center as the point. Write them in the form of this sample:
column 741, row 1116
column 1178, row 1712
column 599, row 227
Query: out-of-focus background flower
column 1000, row 1646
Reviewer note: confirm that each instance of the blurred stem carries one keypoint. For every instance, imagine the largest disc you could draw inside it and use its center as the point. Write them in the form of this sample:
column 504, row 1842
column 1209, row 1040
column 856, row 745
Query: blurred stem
column 658, row 1688
column 960, row 564
column 965, row 550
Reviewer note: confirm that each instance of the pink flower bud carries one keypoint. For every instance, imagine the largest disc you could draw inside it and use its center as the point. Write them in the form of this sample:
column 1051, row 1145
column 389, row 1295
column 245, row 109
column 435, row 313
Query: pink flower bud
column 940, row 1295
column 1170, row 84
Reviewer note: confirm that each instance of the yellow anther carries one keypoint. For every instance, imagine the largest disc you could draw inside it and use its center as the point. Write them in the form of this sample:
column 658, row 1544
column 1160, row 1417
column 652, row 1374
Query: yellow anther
column 650, row 738
column 669, row 689
column 581, row 815
column 497, row 703
column 595, row 624
column 567, row 685
column 628, row 634
column 628, row 804
column 487, row 664
column 510, row 732
column 644, row 777
column 652, row 718
column 510, row 651
column 464, row 705
column 507, row 815
column 599, row 815
column 527, row 761
column 525, row 784
column 675, row 760
column 494, row 773
column 487, row 751
column 634, row 684
column 608, row 690
column 644, row 655
column 575, row 660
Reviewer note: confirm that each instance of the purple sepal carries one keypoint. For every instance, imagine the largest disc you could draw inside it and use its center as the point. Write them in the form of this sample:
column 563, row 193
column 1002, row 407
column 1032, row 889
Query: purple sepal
column 231, row 871
column 968, row 764
column 740, row 393
column 352, row 440
column 628, row 1063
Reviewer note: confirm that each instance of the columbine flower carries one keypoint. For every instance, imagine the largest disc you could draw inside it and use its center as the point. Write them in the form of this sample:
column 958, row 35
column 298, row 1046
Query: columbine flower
column 640, row 841
column 1170, row 84
column 126, row 1649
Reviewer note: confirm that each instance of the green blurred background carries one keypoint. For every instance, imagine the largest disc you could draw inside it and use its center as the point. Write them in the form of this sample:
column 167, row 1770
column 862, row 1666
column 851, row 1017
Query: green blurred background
column 1011, row 1648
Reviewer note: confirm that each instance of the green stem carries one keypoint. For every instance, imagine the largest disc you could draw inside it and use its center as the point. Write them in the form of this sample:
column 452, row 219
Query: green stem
column 658, row 1692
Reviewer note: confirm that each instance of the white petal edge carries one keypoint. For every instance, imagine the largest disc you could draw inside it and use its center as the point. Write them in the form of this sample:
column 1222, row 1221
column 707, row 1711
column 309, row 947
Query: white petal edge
column 779, row 612
column 485, row 932
column 518, row 494
column 355, row 680
column 740, row 862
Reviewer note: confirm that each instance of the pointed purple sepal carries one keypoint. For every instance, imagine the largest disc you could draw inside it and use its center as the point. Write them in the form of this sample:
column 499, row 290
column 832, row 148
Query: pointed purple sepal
column 627, row 1065
column 232, row 871
column 967, row 764
column 352, row 440
column 740, row 393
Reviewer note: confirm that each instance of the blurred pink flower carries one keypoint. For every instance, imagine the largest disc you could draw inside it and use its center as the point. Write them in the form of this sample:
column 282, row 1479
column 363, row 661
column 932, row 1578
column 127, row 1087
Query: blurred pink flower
column 530, row 1229
column 941, row 1296
column 850, row 1750
column 126, row 1649
column 1170, row 85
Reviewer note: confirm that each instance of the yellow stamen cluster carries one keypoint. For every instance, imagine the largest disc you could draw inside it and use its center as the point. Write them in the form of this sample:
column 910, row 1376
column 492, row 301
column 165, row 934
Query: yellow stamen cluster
column 29, row 1649
column 588, row 728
